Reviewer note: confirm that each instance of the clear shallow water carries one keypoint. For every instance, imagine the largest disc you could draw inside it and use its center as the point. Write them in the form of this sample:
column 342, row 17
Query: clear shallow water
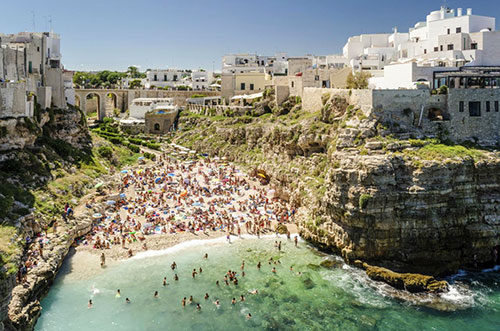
column 328, row 299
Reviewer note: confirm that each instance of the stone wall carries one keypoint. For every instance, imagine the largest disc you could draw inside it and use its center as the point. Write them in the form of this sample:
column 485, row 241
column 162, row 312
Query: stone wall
column 159, row 123
column 13, row 100
column 418, row 113
column 484, row 128
column 311, row 98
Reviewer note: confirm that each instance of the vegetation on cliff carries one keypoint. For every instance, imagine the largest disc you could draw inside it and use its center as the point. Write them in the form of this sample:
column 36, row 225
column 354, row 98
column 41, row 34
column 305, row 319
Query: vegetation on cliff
column 56, row 169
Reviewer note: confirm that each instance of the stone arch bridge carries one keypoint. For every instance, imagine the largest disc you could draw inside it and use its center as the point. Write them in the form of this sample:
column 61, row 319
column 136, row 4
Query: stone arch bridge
column 122, row 98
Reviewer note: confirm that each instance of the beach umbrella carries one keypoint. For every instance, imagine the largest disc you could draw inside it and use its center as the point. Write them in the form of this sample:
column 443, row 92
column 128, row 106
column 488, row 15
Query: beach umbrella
column 123, row 195
column 140, row 158
column 157, row 180
column 110, row 202
column 124, row 171
column 196, row 204
column 99, row 185
column 171, row 175
column 192, row 152
column 97, row 215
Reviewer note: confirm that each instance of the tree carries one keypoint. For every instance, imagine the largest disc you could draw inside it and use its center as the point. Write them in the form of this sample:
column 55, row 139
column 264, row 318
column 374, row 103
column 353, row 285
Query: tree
column 359, row 80
column 134, row 72
column 135, row 83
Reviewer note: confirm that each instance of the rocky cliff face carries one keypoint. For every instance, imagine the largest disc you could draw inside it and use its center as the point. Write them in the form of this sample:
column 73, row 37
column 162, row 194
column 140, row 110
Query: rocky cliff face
column 29, row 150
column 365, row 191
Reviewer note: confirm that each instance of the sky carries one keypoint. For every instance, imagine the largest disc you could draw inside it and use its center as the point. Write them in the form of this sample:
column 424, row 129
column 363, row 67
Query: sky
column 192, row 34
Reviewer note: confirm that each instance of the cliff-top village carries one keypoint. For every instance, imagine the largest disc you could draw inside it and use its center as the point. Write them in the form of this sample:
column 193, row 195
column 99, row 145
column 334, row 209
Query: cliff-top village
column 352, row 191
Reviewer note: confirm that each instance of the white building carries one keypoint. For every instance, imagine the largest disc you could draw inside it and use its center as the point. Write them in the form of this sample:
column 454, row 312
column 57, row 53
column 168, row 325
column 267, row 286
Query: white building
column 30, row 65
column 242, row 63
column 140, row 106
column 446, row 39
column 201, row 80
column 167, row 78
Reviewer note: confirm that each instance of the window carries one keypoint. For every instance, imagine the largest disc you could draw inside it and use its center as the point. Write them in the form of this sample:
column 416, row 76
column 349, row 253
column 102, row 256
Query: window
column 488, row 106
column 157, row 127
column 459, row 30
column 38, row 49
column 242, row 86
column 436, row 49
column 461, row 106
column 474, row 108
column 30, row 67
column 448, row 31
column 175, row 78
column 251, row 87
column 496, row 106
column 450, row 47
column 316, row 77
column 473, row 46
column 441, row 48
column 293, row 84
column 425, row 51
column 165, row 78
column 155, row 78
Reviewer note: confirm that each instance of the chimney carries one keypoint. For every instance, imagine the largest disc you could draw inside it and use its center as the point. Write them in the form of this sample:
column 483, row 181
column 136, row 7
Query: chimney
column 441, row 16
column 469, row 11
column 459, row 12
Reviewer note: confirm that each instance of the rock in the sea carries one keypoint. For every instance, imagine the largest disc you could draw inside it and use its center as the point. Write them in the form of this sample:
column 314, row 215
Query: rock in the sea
column 330, row 264
column 411, row 282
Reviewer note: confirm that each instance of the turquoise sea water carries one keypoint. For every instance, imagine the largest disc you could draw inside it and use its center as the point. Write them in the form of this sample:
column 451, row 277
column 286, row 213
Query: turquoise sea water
column 319, row 299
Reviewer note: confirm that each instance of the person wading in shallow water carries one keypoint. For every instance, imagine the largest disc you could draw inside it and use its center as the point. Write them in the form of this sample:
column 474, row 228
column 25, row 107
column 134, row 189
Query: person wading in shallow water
column 103, row 259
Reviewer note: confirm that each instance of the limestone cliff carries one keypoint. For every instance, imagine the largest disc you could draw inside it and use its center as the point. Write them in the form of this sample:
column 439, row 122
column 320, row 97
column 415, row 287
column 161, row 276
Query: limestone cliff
column 31, row 152
column 365, row 190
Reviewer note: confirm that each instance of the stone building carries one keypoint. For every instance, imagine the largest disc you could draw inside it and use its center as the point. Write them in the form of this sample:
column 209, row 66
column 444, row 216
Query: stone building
column 30, row 66
column 160, row 122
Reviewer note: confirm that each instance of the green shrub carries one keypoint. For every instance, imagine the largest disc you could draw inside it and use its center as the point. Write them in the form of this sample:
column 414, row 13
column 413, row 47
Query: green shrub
column 134, row 148
column 115, row 140
column 363, row 200
column 417, row 142
column 105, row 151
column 150, row 156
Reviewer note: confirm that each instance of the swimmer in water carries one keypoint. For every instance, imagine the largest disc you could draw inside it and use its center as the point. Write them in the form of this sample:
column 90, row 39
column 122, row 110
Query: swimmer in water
column 242, row 298
column 243, row 274
column 274, row 270
column 217, row 283
column 254, row 291
column 258, row 265
column 206, row 256
column 206, row 296
column 118, row 294
column 198, row 307
column 291, row 268
column 217, row 303
column 127, row 300
column 183, row 302
column 249, row 316
column 156, row 294
column 201, row 270
column 190, row 301
column 233, row 302
column 165, row 281
column 194, row 273
column 90, row 304
column 176, row 277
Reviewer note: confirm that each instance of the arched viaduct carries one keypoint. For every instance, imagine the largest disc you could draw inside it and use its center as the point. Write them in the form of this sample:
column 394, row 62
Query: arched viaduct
column 121, row 98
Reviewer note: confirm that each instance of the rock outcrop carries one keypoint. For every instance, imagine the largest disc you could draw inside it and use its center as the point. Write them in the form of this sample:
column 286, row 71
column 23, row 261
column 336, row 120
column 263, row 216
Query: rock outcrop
column 25, row 308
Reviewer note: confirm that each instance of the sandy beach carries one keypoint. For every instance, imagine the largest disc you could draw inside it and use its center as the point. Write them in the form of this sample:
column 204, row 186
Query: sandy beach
column 175, row 199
